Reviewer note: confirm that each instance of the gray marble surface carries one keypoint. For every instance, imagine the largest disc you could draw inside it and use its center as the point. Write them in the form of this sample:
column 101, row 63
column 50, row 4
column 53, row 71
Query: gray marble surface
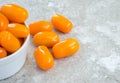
column 96, row 26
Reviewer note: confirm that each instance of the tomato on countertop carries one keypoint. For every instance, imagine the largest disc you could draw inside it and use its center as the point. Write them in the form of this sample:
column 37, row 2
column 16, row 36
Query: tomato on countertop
column 3, row 22
column 43, row 58
column 65, row 48
column 46, row 38
column 40, row 26
column 61, row 23
column 14, row 13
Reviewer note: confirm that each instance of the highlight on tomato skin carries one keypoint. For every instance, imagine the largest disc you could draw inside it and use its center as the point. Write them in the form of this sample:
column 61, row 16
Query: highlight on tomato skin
column 65, row 48
column 61, row 23
column 14, row 12
column 40, row 26
column 3, row 22
column 43, row 58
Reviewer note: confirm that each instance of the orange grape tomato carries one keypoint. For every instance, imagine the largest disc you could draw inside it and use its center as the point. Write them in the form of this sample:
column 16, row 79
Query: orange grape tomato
column 9, row 41
column 65, row 48
column 18, row 30
column 3, row 22
column 46, row 38
column 14, row 12
column 43, row 58
column 40, row 26
column 3, row 52
column 61, row 23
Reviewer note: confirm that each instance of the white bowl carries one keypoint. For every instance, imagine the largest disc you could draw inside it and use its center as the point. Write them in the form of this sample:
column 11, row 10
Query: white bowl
column 14, row 62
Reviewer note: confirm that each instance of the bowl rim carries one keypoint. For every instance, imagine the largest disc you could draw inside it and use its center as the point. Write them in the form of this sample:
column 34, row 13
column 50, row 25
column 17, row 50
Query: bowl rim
column 13, row 54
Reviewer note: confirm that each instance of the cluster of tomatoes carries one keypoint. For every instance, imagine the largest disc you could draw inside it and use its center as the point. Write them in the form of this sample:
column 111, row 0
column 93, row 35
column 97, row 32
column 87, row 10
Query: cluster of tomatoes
column 45, row 39
column 12, row 28
column 13, row 31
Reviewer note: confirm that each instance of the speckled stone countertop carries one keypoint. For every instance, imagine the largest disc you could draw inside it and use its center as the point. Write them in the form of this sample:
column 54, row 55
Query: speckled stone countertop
column 96, row 26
